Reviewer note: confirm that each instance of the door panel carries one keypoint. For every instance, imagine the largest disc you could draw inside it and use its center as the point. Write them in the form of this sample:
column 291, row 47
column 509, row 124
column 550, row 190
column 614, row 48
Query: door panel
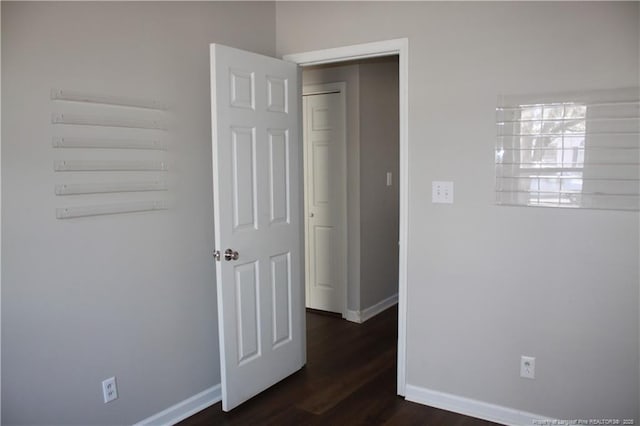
column 325, row 201
column 321, row 165
column 277, row 94
column 281, row 287
column 243, row 152
column 323, row 248
column 257, row 203
column 279, row 176
column 320, row 117
column 242, row 89
column 247, row 296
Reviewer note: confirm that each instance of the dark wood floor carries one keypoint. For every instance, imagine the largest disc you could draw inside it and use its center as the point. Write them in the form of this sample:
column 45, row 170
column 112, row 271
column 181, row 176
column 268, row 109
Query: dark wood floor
column 349, row 379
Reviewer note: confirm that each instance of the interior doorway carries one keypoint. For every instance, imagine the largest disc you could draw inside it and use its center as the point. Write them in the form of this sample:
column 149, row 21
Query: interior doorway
column 351, row 161
column 325, row 195
column 399, row 47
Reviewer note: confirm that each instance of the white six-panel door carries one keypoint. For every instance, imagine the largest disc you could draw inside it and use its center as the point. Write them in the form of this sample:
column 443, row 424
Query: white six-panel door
column 256, row 178
column 325, row 198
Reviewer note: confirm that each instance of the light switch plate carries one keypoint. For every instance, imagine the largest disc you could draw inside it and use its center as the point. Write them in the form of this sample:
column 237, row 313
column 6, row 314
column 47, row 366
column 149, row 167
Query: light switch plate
column 442, row 192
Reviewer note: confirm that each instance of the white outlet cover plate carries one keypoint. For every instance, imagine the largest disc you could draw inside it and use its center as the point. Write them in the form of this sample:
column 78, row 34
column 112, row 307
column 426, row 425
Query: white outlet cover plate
column 527, row 367
column 109, row 389
column 442, row 192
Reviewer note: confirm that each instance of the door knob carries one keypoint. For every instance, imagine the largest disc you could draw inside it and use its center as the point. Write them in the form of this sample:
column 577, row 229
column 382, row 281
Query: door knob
column 216, row 255
column 231, row 255
column 311, row 214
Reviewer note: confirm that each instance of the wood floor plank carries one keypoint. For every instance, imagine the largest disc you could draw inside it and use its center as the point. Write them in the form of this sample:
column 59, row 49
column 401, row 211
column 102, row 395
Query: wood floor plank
column 373, row 403
column 340, row 387
column 349, row 379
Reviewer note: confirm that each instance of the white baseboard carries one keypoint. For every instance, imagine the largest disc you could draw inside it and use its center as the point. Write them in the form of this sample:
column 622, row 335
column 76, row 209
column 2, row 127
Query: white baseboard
column 353, row 316
column 372, row 311
column 383, row 305
column 473, row 407
column 184, row 409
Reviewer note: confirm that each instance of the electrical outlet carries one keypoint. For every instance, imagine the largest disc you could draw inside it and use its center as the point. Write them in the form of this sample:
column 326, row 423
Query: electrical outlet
column 109, row 389
column 527, row 367
column 442, row 192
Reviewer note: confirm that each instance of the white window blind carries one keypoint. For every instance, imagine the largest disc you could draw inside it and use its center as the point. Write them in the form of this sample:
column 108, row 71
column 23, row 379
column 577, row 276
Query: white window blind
column 571, row 150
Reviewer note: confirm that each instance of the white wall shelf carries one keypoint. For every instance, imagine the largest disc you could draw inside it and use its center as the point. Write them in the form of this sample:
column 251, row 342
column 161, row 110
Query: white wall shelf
column 78, row 96
column 104, row 143
column 108, row 187
column 105, row 121
column 578, row 150
column 88, row 166
column 84, row 211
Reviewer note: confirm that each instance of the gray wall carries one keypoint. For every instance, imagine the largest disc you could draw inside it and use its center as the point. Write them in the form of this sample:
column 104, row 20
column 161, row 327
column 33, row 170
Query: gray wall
column 487, row 284
column 379, row 203
column 372, row 150
column 127, row 295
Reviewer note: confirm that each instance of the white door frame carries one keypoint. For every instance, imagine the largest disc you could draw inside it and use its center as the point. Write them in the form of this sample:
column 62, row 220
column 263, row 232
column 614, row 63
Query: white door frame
column 398, row 47
column 319, row 89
